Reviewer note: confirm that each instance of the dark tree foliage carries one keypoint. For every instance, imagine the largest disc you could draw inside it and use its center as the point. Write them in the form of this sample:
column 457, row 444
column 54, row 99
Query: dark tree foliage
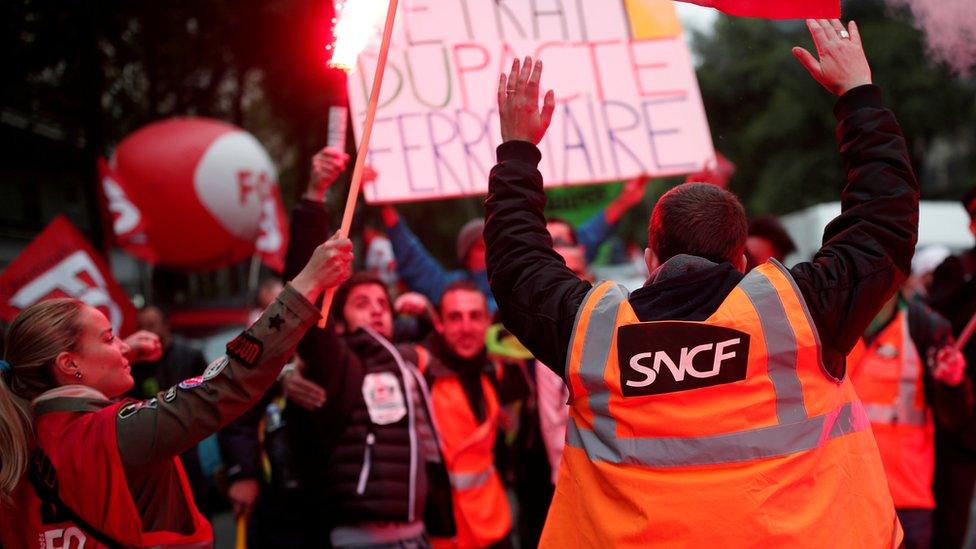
column 80, row 76
column 776, row 123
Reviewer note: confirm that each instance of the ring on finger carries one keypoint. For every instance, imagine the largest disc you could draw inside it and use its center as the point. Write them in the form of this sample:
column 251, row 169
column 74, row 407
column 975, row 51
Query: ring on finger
column 845, row 35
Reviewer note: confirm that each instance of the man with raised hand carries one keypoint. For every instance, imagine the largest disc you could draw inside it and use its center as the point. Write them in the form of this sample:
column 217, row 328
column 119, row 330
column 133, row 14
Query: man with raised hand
column 711, row 407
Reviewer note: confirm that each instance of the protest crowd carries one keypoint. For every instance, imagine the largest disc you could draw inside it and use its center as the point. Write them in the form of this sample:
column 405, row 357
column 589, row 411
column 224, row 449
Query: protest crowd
column 515, row 400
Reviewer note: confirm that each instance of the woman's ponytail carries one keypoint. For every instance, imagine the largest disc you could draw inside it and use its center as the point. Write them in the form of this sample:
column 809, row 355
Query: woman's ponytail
column 34, row 339
column 14, row 437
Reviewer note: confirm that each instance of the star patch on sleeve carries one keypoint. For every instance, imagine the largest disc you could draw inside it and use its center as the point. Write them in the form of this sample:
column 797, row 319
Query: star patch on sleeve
column 276, row 322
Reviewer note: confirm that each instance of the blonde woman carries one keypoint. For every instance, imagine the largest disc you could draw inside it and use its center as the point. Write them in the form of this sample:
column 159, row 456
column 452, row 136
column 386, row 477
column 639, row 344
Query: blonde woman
column 81, row 469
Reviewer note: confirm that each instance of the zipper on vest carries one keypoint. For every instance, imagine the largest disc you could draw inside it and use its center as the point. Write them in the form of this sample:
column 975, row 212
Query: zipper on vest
column 411, row 421
column 367, row 464
column 425, row 392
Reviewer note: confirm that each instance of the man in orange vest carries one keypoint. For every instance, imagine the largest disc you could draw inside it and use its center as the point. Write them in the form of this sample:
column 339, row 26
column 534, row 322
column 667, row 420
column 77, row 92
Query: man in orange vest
column 909, row 376
column 467, row 413
column 712, row 407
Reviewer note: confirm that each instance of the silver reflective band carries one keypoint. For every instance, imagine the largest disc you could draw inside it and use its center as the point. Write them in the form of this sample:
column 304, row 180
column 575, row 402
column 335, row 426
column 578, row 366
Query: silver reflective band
column 911, row 372
column 902, row 410
column 469, row 481
column 780, row 346
column 765, row 442
column 891, row 415
column 596, row 351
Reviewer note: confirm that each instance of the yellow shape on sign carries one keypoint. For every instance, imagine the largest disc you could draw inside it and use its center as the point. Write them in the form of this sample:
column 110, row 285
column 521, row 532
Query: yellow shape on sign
column 650, row 19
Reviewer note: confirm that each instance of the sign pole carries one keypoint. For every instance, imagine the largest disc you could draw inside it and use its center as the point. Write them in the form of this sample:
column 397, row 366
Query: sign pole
column 357, row 173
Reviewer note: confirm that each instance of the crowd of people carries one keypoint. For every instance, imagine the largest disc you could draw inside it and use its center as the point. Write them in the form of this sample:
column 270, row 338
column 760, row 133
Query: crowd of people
column 516, row 402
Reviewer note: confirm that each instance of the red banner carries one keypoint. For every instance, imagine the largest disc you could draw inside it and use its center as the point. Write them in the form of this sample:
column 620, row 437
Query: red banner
column 61, row 263
column 775, row 9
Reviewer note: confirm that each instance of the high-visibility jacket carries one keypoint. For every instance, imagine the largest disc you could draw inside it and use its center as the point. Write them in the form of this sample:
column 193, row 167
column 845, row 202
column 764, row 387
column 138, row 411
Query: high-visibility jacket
column 889, row 381
column 481, row 511
column 722, row 433
column 77, row 494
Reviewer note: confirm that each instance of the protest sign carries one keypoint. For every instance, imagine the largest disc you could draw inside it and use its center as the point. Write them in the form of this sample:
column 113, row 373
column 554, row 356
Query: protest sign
column 627, row 98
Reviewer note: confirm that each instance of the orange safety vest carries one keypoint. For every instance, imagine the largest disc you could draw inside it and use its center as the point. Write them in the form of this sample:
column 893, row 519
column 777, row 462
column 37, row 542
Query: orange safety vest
column 722, row 433
column 481, row 511
column 888, row 378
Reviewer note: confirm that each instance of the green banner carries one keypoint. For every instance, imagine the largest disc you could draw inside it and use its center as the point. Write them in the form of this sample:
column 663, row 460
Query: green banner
column 578, row 203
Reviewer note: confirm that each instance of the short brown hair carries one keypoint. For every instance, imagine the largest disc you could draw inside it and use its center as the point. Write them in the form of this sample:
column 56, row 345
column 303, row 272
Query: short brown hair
column 698, row 219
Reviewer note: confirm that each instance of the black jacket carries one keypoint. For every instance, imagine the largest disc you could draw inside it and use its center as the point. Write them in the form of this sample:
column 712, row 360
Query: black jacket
column 359, row 470
column 866, row 254
column 953, row 294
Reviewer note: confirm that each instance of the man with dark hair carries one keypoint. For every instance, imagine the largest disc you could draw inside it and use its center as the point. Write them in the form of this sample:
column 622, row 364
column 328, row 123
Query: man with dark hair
column 368, row 455
column 468, row 414
column 360, row 460
column 561, row 230
column 767, row 239
column 597, row 229
column 953, row 294
column 697, row 219
column 711, row 405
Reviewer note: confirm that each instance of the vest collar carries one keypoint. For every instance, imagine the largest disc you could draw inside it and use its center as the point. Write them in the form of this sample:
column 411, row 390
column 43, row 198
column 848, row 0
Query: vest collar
column 70, row 398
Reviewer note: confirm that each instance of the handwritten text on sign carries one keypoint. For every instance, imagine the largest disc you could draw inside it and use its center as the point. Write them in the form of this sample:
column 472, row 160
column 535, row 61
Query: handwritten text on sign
column 627, row 98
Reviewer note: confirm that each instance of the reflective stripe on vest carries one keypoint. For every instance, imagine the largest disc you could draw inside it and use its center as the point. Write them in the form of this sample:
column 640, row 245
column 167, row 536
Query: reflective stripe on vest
column 470, row 481
column 903, row 409
column 765, row 442
column 795, row 432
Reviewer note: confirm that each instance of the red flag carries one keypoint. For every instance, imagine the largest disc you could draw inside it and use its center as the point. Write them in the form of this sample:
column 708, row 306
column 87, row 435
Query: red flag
column 775, row 9
column 272, row 238
column 128, row 223
column 60, row 262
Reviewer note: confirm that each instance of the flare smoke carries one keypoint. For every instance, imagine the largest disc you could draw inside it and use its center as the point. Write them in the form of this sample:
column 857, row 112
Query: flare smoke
column 950, row 30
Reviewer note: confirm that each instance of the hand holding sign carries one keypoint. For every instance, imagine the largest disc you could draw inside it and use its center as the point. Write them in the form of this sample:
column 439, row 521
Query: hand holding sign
column 329, row 266
column 518, row 103
column 842, row 65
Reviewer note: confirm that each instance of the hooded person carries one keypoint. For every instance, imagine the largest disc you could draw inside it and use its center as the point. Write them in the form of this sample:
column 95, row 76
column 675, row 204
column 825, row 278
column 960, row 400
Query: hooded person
column 703, row 404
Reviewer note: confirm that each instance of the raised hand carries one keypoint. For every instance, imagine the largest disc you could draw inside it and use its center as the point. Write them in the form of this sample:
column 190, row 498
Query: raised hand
column 327, row 164
column 950, row 366
column 842, row 65
column 298, row 389
column 243, row 494
column 144, row 346
column 412, row 304
column 518, row 103
column 329, row 266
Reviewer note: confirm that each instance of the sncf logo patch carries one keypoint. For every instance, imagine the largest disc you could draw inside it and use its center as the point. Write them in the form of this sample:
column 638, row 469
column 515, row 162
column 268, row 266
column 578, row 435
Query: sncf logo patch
column 667, row 357
column 245, row 349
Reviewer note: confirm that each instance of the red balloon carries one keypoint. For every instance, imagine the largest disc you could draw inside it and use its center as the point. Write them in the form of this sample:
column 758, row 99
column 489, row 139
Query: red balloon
column 190, row 193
